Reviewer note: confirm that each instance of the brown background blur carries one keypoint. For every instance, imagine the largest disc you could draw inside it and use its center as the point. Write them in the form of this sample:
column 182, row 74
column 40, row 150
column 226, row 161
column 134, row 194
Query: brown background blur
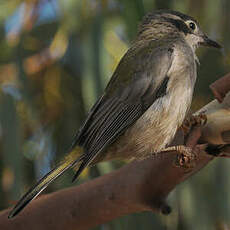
column 56, row 56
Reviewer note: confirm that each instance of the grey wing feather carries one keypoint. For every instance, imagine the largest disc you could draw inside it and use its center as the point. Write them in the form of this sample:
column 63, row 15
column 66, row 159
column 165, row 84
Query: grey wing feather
column 115, row 112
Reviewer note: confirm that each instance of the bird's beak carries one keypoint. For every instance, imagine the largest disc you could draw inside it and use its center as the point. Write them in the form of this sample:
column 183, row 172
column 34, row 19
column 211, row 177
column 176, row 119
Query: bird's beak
column 208, row 42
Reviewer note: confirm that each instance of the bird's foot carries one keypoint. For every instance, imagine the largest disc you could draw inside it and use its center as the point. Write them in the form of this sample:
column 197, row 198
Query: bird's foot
column 192, row 121
column 186, row 156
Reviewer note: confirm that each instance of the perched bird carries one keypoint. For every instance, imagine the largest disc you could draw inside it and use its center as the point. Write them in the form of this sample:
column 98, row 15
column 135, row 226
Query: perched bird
column 145, row 101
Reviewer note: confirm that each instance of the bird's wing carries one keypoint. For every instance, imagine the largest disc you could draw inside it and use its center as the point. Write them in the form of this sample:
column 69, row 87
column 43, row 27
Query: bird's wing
column 140, row 78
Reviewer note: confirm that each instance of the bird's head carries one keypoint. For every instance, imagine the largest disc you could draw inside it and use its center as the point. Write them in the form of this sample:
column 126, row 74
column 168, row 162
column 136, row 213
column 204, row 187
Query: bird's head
column 172, row 24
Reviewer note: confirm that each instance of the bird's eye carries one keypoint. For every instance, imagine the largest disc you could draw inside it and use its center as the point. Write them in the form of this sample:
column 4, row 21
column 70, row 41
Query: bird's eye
column 192, row 25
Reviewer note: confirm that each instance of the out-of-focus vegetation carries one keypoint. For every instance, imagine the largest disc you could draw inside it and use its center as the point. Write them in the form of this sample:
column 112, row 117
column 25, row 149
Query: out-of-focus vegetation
column 56, row 56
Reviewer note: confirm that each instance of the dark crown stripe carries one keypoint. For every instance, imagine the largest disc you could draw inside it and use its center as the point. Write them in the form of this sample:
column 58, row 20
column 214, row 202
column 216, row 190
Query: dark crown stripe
column 165, row 14
column 179, row 24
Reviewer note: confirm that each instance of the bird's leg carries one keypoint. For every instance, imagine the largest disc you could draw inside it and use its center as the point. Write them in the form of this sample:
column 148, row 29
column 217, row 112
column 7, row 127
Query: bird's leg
column 186, row 156
column 192, row 121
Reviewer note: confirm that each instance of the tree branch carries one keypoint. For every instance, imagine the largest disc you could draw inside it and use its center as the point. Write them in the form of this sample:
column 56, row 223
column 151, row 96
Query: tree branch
column 138, row 186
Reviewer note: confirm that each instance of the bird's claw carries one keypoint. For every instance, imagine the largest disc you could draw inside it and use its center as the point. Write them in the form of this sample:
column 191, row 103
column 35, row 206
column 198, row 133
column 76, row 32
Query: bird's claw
column 192, row 121
column 186, row 158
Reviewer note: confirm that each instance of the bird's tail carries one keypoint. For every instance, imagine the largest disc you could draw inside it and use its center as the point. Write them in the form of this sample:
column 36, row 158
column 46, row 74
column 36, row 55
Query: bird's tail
column 69, row 162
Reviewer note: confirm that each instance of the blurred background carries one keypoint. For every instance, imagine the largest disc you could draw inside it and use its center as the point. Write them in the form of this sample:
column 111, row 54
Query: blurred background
column 56, row 57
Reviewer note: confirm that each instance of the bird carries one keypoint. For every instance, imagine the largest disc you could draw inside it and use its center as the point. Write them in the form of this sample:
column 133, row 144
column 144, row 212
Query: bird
column 145, row 101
